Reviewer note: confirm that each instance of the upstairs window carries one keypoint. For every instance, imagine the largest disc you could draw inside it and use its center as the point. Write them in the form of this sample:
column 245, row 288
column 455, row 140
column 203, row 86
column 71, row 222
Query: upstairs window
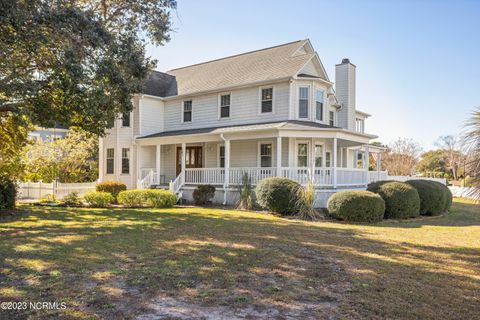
column 302, row 155
column 225, row 106
column 360, row 125
column 266, row 155
column 319, row 105
column 331, row 118
column 110, row 160
column 187, row 111
column 267, row 100
column 303, row 102
column 125, row 160
column 126, row 119
column 221, row 156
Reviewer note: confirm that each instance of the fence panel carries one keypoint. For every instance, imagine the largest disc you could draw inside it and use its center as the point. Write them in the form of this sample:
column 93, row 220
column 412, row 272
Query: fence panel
column 36, row 190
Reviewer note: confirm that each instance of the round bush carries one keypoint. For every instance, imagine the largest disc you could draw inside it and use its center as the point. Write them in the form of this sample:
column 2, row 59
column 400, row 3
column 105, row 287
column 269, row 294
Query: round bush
column 8, row 193
column 112, row 187
column 433, row 198
column 278, row 195
column 401, row 199
column 447, row 194
column 98, row 199
column 356, row 205
column 147, row 198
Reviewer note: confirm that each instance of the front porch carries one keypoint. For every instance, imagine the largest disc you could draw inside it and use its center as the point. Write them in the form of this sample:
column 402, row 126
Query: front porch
column 330, row 159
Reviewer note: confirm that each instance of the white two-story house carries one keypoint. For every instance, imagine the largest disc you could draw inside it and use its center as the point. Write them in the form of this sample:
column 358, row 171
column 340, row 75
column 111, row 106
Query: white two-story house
column 270, row 112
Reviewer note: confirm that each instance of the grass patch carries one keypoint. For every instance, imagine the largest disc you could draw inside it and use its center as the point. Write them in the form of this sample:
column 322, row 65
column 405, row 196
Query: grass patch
column 122, row 263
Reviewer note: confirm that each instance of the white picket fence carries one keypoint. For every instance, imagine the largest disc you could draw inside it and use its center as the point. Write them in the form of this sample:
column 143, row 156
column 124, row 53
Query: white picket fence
column 406, row 178
column 36, row 190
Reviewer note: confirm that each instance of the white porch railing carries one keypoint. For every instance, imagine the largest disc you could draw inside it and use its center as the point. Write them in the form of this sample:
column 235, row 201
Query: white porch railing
column 377, row 176
column 256, row 174
column 204, row 175
column 176, row 184
column 347, row 177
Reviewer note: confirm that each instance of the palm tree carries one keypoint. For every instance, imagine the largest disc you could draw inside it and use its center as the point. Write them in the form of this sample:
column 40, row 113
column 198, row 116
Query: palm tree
column 471, row 142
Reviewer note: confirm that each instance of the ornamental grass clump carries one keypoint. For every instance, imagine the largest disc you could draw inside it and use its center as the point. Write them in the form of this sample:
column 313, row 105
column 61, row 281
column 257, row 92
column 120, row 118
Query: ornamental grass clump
column 306, row 203
column 246, row 200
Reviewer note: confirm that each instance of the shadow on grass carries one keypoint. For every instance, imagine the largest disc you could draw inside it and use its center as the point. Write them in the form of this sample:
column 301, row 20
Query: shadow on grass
column 110, row 262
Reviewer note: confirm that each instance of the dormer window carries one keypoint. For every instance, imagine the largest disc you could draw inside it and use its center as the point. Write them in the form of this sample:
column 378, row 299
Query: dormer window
column 267, row 100
column 187, row 111
column 225, row 106
column 319, row 105
column 303, row 102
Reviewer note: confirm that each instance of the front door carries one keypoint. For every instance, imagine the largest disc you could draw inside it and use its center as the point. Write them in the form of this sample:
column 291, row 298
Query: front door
column 193, row 158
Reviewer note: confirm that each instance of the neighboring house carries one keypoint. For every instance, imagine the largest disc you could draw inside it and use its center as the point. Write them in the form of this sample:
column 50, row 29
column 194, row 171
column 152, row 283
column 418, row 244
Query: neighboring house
column 48, row 134
column 270, row 112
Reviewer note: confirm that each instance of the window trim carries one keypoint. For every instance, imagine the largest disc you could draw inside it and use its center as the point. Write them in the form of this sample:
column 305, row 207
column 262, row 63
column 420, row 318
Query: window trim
column 260, row 100
column 330, row 112
column 220, row 106
column 259, row 156
column 129, row 162
column 330, row 158
column 324, row 147
column 323, row 105
column 183, row 111
column 308, row 101
column 106, row 161
column 309, row 153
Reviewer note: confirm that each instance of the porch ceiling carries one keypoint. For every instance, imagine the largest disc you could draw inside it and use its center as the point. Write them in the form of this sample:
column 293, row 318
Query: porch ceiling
column 290, row 128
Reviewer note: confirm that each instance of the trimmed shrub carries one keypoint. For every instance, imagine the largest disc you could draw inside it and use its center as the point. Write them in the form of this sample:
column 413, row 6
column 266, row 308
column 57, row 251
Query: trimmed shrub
column 147, row 198
column 98, row 199
column 433, row 198
column 278, row 195
column 203, row 194
column 357, row 206
column 447, row 194
column 8, row 193
column 401, row 199
column 112, row 187
column 72, row 199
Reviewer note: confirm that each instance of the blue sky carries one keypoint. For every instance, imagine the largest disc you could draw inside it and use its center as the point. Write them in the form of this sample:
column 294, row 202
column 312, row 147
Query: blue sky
column 418, row 68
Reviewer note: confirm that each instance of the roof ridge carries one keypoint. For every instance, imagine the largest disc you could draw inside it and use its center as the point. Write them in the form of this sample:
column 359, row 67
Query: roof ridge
column 236, row 55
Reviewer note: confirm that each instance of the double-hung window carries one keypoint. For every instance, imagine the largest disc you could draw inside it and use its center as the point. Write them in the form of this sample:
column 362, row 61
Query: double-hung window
column 266, row 155
column 267, row 100
column 126, row 119
column 225, row 106
column 319, row 105
column 302, row 155
column 303, row 102
column 125, row 160
column 187, row 111
column 110, row 160
column 331, row 118
column 221, row 156
column 318, row 156
column 328, row 161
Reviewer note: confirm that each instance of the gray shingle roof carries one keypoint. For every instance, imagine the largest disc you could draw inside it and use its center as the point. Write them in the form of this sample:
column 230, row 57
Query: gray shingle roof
column 247, row 127
column 262, row 65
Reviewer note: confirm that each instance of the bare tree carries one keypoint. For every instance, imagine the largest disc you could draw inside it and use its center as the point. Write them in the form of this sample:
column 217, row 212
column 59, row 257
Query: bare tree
column 401, row 157
column 453, row 159
column 471, row 143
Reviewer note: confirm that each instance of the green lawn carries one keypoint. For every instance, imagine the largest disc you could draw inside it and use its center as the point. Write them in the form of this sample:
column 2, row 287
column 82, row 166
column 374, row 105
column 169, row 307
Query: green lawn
column 213, row 263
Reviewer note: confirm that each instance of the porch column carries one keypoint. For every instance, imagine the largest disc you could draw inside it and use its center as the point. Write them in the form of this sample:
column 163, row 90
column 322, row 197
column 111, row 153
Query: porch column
column 226, row 180
column 279, row 156
column 139, row 166
column 379, row 165
column 334, row 161
column 101, row 160
column 367, row 163
column 184, row 155
column 157, row 162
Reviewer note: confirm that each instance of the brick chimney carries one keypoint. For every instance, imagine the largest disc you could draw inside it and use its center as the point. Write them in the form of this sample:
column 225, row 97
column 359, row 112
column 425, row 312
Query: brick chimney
column 345, row 92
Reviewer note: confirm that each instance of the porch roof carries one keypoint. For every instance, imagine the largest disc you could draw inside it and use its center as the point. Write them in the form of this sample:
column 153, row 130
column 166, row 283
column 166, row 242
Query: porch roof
column 240, row 127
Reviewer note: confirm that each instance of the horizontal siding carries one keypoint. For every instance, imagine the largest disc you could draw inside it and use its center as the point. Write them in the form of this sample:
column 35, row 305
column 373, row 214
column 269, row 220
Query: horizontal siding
column 151, row 114
column 244, row 109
